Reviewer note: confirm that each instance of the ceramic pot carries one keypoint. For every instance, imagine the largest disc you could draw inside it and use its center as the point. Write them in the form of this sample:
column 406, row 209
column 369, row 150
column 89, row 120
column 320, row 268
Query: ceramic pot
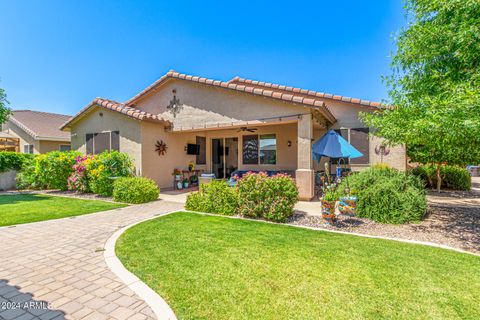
column 328, row 211
column 348, row 206
column 179, row 185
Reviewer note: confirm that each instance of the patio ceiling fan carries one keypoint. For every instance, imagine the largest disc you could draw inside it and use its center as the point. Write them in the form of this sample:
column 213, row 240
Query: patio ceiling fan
column 247, row 129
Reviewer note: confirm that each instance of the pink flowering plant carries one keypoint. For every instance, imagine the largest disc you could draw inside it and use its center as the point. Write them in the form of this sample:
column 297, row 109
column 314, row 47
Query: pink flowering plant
column 271, row 198
column 78, row 180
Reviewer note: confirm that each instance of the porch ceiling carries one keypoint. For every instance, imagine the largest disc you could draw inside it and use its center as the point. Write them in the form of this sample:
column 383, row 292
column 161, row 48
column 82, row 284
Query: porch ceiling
column 251, row 123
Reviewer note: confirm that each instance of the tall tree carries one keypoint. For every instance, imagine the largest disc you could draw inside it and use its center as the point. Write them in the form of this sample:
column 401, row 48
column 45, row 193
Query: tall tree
column 434, row 87
column 4, row 110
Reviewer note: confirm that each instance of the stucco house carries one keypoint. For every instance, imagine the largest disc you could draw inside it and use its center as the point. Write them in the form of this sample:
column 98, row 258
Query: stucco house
column 239, row 124
column 34, row 132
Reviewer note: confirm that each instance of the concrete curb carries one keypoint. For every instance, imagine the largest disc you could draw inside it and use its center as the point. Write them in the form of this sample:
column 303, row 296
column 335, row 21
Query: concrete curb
column 159, row 306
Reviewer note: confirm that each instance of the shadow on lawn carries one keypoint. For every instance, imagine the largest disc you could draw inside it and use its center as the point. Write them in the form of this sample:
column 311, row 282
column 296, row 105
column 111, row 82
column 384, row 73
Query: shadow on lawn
column 18, row 305
column 18, row 198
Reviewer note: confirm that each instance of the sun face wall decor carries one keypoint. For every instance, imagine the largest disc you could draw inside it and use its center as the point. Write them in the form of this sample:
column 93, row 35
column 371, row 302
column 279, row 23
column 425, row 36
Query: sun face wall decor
column 160, row 147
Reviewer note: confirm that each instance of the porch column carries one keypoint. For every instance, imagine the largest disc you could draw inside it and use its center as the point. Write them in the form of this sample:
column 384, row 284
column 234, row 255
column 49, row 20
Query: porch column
column 304, row 174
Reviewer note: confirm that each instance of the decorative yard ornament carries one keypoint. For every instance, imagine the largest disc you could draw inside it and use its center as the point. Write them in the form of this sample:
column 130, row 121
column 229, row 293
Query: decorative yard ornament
column 160, row 147
column 174, row 105
column 381, row 150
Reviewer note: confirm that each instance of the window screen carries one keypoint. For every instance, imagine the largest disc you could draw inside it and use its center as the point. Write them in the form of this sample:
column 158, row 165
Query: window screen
column 250, row 149
column 89, row 143
column 64, row 147
column 359, row 139
column 115, row 140
column 101, row 142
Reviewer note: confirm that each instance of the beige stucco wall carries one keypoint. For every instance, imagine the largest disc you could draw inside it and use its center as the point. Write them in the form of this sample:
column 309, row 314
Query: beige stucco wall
column 130, row 133
column 25, row 139
column 159, row 168
column 47, row 146
column 347, row 116
column 210, row 105
column 39, row 146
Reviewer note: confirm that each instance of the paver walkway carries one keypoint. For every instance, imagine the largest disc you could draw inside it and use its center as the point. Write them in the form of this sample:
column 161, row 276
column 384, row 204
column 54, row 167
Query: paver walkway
column 60, row 263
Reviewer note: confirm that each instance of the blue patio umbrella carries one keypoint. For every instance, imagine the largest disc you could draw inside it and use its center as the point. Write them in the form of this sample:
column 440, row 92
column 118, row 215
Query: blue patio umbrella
column 334, row 145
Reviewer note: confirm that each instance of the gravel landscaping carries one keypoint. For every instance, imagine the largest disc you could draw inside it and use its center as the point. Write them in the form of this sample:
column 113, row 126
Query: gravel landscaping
column 453, row 219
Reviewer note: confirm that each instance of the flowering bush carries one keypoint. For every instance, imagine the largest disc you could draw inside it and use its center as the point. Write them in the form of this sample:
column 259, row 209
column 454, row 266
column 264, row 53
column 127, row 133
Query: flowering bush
column 106, row 166
column 272, row 198
column 52, row 169
column 78, row 181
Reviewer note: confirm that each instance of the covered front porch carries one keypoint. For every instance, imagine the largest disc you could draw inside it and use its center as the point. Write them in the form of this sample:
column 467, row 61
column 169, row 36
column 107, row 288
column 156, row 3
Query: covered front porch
column 275, row 144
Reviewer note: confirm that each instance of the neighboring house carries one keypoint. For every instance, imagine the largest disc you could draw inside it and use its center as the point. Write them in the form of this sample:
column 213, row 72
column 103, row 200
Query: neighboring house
column 239, row 124
column 36, row 132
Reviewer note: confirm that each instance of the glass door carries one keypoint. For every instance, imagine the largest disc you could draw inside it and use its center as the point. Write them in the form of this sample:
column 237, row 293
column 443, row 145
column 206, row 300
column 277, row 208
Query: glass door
column 224, row 157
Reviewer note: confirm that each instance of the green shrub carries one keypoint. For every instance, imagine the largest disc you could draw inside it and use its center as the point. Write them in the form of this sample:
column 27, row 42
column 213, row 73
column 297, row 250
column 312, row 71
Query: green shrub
column 26, row 178
column 387, row 196
column 135, row 190
column 106, row 166
column 214, row 197
column 454, row 177
column 272, row 198
column 52, row 169
column 13, row 160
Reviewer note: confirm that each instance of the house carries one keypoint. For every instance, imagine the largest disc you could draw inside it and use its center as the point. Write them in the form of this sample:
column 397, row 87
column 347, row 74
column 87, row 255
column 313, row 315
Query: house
column 34, row 132
column 239, row 124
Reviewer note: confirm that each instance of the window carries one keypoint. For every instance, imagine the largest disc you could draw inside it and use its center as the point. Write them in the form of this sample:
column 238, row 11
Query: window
column 268, row 149
column 260, row 149
column 64, row 147
column 28, row 148
column 98, row 142
column 357, row 137
column 201, row 158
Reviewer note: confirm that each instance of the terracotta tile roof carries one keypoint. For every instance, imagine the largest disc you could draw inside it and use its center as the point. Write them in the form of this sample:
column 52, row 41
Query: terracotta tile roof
column 118, row 107
column 41, row 125
column 273, row 93
column 303, row 92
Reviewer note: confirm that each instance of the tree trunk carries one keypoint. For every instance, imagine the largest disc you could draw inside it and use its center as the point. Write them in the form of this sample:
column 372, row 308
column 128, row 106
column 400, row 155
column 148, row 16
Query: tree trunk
column 439, row 177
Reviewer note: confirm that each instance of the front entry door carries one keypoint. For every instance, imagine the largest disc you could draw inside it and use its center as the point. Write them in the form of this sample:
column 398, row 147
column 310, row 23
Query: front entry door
column 224, row 157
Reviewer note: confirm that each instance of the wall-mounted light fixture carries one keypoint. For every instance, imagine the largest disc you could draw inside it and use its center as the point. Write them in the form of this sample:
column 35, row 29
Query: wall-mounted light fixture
column 101, row 114
column 289, row 143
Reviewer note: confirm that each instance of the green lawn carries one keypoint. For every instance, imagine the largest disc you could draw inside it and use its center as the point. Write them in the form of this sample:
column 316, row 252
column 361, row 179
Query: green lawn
column 17, row 209
column 212, row 267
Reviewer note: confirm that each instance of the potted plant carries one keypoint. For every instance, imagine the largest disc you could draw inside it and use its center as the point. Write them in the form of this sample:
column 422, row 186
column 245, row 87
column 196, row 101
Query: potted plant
column 191, row 166
column 185, row 183
column 329, row 200
column 193, row 179
column 348, row 203
column 177, row 174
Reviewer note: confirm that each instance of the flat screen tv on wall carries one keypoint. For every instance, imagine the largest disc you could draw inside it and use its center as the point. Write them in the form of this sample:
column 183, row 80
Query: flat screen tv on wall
column 193, row 149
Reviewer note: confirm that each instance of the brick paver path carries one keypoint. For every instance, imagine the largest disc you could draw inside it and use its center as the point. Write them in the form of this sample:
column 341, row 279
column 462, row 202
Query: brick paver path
column 60, row 263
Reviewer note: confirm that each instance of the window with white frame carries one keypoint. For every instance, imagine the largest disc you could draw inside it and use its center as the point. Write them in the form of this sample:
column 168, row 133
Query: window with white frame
column 28, row 148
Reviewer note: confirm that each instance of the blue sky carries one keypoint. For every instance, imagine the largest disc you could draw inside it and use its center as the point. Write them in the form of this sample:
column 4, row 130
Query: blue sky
column 58, row 55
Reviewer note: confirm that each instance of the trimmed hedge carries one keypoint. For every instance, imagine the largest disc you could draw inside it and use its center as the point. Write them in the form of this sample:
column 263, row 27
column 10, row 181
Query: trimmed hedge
column 214, row 197
column 454, row 177
column 271, row 198
column 388, row 196
column 13, row 160
column 135, row 190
